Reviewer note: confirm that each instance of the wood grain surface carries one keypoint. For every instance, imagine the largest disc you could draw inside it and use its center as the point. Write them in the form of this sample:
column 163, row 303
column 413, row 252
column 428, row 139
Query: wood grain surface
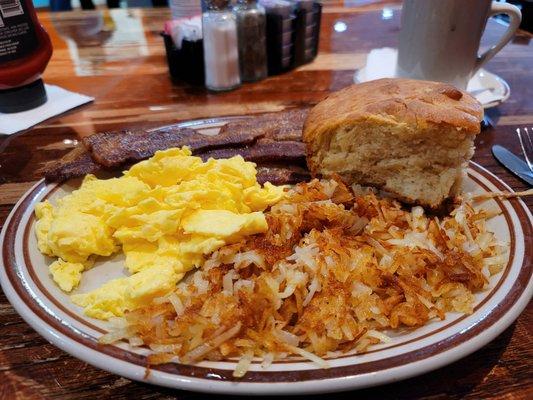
column 118, row 57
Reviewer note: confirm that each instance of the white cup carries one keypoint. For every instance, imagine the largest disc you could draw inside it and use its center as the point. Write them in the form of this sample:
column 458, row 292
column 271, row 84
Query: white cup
column 439, row 39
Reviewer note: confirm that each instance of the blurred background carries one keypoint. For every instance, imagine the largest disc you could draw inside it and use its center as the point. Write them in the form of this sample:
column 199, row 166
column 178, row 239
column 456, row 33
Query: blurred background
column 526, row 6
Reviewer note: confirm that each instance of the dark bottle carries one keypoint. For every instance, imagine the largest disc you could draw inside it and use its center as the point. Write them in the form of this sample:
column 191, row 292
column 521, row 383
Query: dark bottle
column 25, row 50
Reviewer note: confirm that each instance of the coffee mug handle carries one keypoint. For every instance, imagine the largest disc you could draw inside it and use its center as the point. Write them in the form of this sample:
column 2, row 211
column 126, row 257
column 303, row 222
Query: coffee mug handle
column 515, row 17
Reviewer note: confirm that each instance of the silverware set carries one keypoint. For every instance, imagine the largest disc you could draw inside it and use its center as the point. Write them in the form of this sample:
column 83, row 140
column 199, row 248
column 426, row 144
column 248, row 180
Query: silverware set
column 522, row 169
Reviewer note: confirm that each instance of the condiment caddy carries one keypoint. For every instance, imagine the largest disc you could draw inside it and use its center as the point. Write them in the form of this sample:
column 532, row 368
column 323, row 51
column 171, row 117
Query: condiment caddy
column 280, row 35
column 242, row 42
column 185, row 50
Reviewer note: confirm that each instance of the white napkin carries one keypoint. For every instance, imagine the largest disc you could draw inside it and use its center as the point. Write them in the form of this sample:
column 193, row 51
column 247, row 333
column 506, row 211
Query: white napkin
column 59, row 101
column 381, row 63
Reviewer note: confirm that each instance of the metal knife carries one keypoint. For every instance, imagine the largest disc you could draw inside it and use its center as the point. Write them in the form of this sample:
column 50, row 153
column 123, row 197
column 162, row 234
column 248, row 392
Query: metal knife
column 513, row 163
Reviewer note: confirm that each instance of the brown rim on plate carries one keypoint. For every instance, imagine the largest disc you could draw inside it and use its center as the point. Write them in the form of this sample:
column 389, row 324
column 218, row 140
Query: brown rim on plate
column 33, row 275
column 31, row 301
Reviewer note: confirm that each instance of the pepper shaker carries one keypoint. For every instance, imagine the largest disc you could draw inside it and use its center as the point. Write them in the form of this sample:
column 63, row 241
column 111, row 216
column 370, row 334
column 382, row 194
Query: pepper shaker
column 251, row 33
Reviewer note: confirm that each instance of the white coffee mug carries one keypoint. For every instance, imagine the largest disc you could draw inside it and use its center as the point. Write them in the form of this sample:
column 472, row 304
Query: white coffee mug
column 439, row 39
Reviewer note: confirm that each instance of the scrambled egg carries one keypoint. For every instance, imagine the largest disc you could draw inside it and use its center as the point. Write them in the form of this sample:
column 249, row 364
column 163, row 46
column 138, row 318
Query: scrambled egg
column 166, row 214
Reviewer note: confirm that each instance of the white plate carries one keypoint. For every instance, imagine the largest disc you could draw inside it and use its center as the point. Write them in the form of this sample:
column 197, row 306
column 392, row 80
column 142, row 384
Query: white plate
column 29, row 288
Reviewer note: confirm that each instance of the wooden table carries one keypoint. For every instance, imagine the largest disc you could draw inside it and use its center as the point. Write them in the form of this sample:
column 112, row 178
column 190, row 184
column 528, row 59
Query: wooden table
column 118, row 57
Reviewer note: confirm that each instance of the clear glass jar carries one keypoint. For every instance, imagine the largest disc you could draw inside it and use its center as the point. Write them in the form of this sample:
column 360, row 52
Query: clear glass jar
column 221, row 53
column 251, row 33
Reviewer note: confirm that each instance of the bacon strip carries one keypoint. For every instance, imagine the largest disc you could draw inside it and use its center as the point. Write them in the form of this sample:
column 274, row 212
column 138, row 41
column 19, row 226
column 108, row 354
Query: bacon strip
column 281, row 126
column 112, row 149
column 263, row 151
column 263, row 139
column 282, row 175
column 77, row 162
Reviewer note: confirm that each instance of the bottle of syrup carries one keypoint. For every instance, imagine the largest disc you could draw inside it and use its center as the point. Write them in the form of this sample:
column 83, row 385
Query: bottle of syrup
column 25, row 50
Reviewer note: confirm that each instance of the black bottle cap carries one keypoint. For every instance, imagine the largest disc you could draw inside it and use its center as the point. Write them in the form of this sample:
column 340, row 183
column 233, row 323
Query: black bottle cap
column 23, row 98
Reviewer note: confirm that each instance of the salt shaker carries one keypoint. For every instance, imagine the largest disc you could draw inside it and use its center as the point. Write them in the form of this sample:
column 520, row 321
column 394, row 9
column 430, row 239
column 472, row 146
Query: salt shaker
column 251, row 33
column 221, row 54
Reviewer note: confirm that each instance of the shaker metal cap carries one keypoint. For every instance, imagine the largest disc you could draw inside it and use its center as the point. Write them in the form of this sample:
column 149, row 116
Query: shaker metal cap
column 217, row 4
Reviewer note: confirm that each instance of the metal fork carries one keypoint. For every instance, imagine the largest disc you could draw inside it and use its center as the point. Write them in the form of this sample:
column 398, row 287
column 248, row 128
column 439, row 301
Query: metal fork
column 526, row 142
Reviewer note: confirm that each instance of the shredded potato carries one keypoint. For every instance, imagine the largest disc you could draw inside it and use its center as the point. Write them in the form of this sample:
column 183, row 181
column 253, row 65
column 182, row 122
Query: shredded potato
column 333, row 272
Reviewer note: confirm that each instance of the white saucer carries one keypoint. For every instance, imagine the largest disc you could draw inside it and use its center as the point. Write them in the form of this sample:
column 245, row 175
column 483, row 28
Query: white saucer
column 492, row 90
column 488, row 88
